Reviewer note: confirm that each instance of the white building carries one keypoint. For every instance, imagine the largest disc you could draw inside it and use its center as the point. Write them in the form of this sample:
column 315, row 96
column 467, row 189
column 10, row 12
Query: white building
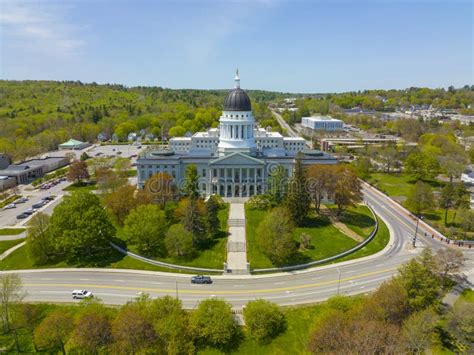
column 322, row 123
column 233, row 160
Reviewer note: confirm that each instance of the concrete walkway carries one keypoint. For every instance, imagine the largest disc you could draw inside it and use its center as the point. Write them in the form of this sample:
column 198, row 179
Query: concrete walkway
column 237, row 243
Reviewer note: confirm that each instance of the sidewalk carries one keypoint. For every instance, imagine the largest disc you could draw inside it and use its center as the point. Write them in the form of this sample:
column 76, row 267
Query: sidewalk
column 237, row 243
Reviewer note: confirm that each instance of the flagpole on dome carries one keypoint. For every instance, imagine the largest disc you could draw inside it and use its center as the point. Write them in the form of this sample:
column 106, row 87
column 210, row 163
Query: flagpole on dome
column 237, row 79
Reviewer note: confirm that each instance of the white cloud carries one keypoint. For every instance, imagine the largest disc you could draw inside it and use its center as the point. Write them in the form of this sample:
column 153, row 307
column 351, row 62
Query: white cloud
column 39, row 28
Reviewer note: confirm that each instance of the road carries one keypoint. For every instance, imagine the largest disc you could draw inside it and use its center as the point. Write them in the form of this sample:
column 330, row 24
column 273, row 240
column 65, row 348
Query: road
column 289, row 288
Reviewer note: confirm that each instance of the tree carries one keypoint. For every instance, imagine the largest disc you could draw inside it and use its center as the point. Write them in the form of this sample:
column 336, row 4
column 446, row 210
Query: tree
column 421, row 284
column 38, row 240
column 92, row 331
column 418, row 330
column 132, row 330
column 122, row 166
column 145, row 227
column 346, row 190
column 171, row 322
column 363, row 167
column 178, row 241
column 214, row 324
column 193, row 219
column 212, row 215
column 191, row 186
column 447, row 200
column 54, row 331
column 421, row 166
column 453, row 164
column 27, row 317
column 160, row 188
column 84, row 156
column 80, row 227
column 108, row 181
column 278, row 184
column 466, row 217
column 420, row 198
column 448, row 261
column 121, row 202
column 264, row 320
column 297, row 199
column 389, row 156
column 460, row 321
column 461, row 198
column 11, row 293
column 78, row 171
column 320, row 178
column 275, row 236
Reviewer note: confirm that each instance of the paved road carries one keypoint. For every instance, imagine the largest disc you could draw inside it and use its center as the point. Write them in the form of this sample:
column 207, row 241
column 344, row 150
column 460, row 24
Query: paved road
column 360, row 276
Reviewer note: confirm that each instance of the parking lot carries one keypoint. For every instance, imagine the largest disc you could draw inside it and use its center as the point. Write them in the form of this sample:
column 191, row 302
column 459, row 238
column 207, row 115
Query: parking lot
column 126, row 151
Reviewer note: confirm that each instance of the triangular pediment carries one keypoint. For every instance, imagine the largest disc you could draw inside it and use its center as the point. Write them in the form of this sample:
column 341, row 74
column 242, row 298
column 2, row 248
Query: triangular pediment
column 237, row 159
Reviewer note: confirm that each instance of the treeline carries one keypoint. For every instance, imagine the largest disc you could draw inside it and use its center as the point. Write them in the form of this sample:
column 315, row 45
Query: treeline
column 404, row 315
column 36, row 116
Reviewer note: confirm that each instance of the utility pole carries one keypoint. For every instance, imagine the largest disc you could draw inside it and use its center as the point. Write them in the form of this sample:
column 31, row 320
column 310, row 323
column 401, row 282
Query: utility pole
column 339, row 282
column 416, row 231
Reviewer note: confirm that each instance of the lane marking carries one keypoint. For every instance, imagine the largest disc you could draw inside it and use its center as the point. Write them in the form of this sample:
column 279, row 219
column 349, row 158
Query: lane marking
column 212, row 292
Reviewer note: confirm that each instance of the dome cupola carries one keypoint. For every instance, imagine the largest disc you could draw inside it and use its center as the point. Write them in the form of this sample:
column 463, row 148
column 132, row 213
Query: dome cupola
column 237, row 99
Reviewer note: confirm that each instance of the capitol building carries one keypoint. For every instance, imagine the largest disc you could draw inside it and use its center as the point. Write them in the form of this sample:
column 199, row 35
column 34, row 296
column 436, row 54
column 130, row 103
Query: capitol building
column 233, row 160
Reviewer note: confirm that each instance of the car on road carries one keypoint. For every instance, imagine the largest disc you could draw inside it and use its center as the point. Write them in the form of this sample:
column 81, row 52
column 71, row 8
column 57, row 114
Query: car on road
column 81, row 294
column 201, row 279
column 11, row 205
column 22, row 216
column 48, row 198
column 21, row 200
column 29, row 211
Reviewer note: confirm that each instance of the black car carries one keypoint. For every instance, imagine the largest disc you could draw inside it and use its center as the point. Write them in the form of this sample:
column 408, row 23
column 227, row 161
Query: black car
column 39, row 204
column 48, row 198
column 22, row 216
column 201, row 279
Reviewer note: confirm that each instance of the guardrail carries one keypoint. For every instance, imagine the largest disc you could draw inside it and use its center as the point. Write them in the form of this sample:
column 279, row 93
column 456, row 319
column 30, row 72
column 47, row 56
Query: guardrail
column 162, row 264
column 331, row 258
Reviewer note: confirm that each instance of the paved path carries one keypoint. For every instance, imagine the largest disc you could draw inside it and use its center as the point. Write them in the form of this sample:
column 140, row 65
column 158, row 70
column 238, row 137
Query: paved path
column 237, row 243
column 11, row 250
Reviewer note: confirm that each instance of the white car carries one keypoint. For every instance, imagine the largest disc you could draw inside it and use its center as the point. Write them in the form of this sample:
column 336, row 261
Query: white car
column 81, row 294
column 11, row 205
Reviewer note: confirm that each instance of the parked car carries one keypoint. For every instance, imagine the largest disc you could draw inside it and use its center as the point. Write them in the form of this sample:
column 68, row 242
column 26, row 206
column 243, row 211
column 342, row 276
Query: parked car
column 48, row 198
column 22, row 216
column 11, row 205
column 39, row 204
column 201, row 279
column 29, row 211
column 80, row 294
column 21, row 200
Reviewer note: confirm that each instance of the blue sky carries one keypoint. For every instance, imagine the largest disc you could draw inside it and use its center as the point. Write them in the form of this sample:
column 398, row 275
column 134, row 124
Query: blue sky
column 295, row 46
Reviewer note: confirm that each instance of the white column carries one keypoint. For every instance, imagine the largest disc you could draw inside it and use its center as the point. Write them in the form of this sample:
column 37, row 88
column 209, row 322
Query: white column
column 240, row 182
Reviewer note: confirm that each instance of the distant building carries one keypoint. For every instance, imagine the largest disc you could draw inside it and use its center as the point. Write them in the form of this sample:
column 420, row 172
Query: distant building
column 359, row 111
column 132, row 137
column 468, row 177
column 322, row 123
column 32, row 169
column 7, row 182
column 73, row 144
column 4, row 160
column 102, row 137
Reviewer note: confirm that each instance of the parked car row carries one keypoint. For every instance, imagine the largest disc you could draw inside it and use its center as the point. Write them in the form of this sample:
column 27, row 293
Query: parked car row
column 13, row 205
column 52, row 183
column 35, row 207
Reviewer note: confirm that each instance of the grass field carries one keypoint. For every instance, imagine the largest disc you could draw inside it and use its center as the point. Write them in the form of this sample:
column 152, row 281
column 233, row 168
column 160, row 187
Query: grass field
column 7, row 244
column 12, row 231
column 81, row 186
column 325, row 238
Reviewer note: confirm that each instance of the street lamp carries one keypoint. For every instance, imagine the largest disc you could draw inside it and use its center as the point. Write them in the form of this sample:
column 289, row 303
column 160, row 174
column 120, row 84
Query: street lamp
column 339, row 282
column 416, row 230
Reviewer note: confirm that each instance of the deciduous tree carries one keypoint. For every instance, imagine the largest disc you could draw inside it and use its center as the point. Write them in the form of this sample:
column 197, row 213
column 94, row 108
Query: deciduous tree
column 418, row 331
column 264, row 320
column 178, row 241
column 92, row 331
column 78, row 171
column 160, row 188
column 346, row 189
column 420, row 198
column 145, row 227
column 120, row 202
column 11, row 293
column 275, row 236
column 54, row 331
column 38, row 240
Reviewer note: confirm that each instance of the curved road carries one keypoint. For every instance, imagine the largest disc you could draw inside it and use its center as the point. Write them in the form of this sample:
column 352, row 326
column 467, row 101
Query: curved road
column 312, row 285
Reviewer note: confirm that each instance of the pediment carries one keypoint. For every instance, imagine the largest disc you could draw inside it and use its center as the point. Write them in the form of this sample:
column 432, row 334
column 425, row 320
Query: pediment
column 237, row 159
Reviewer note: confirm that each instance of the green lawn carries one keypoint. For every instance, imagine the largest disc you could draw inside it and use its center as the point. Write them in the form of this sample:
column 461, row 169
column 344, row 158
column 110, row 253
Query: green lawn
column 12, row 231
column 326, row 239
column 7, row 244
column 81, row 186
column 114, row 259
column 359, row 219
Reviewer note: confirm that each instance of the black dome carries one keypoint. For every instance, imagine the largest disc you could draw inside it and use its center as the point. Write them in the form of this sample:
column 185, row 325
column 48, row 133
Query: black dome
column 237, row 100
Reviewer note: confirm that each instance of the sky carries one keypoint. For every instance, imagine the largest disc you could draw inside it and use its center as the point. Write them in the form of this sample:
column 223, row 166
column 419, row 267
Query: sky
column 291, row 46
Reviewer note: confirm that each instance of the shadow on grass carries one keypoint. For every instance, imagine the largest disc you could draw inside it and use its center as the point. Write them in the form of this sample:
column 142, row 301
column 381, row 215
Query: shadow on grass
column 357, row 219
